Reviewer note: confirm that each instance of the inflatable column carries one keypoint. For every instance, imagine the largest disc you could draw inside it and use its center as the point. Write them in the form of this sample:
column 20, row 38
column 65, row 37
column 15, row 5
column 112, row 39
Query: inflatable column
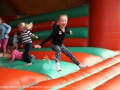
column 104, row 24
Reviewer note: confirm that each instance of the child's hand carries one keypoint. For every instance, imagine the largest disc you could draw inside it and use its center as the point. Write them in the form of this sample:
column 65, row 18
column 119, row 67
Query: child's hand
column 36, row 37
column 53, row 23
column 37, row 46
column 71, row 32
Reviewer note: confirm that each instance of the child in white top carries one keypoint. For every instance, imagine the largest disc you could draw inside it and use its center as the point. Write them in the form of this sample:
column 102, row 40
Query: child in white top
column 15, row 40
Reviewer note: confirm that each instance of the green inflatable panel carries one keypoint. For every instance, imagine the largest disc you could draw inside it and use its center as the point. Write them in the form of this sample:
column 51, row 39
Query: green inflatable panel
column 47, row 67
column 104, row 53
column 73, row 12
column 81, row 32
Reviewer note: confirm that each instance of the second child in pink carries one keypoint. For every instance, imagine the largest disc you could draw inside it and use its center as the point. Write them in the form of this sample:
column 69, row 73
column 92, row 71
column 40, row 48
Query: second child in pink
column 16, row 55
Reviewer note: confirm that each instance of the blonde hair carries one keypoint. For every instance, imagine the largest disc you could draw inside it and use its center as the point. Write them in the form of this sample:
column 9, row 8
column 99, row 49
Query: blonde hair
column 21, row 24
column 61, row 16
column 26, row 25
column 29, row 26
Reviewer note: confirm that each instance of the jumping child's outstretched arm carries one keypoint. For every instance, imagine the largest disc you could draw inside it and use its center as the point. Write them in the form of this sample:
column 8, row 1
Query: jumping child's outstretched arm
column 51, row 36
column 68, row 31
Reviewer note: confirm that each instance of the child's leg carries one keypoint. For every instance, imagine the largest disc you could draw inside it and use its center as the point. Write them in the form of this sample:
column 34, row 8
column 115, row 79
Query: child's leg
column 4, row 46
column 57, row 50
column 32, row 56
column 15, row 44
column 25, row 59
column 1, row 55
column 71, row 56
column 1, row 44
column 26, row 56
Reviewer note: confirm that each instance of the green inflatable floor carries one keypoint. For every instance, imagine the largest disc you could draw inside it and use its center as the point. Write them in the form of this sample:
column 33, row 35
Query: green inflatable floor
column 46, row 67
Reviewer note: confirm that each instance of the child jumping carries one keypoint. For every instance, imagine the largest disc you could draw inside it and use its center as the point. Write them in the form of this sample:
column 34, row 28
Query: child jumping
column 26, row 40
column 58, row 34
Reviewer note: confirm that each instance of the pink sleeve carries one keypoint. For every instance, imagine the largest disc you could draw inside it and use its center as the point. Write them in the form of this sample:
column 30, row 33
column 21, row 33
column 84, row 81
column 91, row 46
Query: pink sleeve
column 12, row 56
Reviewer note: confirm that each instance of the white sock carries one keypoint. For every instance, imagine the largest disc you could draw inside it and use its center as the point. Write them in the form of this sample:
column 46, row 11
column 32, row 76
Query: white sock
column 58, row 66
column 82, row 66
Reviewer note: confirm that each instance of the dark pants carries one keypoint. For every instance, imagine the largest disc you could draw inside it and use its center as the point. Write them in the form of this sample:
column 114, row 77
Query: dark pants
column 26, row 56
column 62, row 48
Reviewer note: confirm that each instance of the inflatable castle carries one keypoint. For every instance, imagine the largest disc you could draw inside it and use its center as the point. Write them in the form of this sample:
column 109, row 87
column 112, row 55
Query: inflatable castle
column 95, row 42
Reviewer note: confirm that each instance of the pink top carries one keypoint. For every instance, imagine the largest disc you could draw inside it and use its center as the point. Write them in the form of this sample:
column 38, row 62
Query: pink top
column 16, row 55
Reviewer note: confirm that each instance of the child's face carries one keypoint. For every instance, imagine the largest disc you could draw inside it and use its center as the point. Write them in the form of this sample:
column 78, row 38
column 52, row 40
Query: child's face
column 62, row 21
column 0, row 20
column 21, row 26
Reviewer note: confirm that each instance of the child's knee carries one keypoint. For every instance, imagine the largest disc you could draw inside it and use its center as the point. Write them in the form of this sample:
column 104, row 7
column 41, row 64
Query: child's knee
column 4, row 47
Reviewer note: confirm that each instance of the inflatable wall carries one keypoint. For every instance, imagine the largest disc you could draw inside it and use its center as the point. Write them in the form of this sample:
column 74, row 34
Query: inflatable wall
column 78, row 23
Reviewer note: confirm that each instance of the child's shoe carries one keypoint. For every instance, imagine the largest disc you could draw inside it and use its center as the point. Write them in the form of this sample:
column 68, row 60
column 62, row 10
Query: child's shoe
column 27, row 64
column 82, row 66
column 32, row 56
column 58, row 67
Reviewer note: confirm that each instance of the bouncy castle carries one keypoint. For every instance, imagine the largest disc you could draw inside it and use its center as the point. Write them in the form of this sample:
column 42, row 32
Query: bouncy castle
column 95, row 42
